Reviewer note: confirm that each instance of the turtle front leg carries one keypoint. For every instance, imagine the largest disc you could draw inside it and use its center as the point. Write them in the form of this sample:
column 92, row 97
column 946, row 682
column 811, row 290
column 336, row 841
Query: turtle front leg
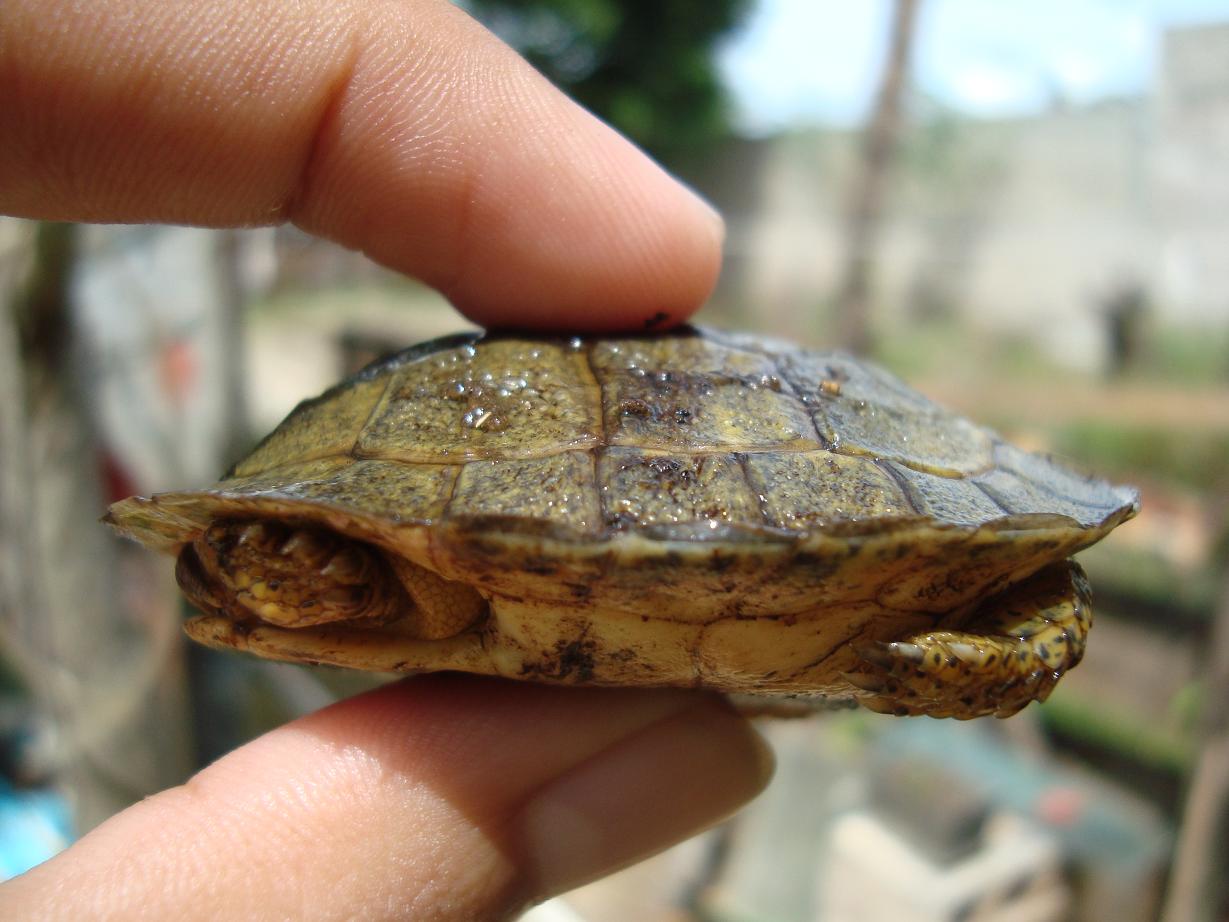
column 1013, row 651
column 443, row 608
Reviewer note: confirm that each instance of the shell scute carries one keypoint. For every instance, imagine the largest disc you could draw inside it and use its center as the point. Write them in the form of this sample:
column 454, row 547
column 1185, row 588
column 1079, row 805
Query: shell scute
column 1100, row 497
column 325, row 427
column 818, row 489
column 557, row 491
column 1020, row 495
column 386, row 490
column 674, row 394
column 675, row 495
column 858, row 409
column 497, row 399
column 946, row 499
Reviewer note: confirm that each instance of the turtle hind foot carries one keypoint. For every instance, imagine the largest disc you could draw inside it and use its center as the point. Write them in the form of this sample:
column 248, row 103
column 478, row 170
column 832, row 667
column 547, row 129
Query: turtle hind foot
column 1012, row 652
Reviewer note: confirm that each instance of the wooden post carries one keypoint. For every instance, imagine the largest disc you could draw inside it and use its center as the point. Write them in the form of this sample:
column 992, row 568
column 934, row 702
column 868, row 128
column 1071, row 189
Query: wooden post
column 867, row 203
column 1202, row 850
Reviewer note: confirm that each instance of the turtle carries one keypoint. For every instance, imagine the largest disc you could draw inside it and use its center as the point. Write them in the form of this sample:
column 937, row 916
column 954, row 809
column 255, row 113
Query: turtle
column 695, row 508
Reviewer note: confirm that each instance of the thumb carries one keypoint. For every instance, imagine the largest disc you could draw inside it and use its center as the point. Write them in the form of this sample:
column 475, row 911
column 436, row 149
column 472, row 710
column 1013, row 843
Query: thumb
column 442, row 798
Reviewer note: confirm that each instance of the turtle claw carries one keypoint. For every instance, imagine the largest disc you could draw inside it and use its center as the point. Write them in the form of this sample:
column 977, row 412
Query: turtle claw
column 866, row 681
column 877, row 654
column 253, row 532
column 883, row 706
column 889, row 655
column 964, row 651
column 910, row 652
column 1011, row 653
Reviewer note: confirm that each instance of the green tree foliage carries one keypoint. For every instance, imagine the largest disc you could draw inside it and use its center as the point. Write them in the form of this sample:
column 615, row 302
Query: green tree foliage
column 646, row 66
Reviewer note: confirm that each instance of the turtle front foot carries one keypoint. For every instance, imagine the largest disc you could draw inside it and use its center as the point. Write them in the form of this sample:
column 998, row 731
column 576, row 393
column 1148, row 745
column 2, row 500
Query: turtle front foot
column 1013, row 651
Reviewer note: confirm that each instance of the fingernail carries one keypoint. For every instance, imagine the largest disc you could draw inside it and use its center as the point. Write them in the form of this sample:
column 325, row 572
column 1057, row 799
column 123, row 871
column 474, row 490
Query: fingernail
column 657, row 787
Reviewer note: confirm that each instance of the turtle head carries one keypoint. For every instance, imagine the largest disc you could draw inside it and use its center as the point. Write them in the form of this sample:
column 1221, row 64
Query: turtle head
column 288, row 575
column 291, row 575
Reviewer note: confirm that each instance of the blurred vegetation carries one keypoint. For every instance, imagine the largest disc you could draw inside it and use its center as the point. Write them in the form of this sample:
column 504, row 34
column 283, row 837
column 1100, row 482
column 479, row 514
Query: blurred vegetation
column 1122, row 732
column 1153, row 584
column 930, row 344
column 1184, row 356
column 1186, row 458
column 646, row 66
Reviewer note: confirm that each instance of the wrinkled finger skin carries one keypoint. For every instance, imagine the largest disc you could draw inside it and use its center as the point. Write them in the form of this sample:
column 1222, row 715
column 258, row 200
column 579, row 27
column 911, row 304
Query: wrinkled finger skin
column 441, row 798
column 402, row 129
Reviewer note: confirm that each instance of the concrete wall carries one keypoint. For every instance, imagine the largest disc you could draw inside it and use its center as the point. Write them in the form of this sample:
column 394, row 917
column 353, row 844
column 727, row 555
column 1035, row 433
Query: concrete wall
column 1024, row 227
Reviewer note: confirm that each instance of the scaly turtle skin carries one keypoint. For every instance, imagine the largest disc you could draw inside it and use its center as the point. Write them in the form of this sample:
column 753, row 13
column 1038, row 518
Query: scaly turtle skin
column 691, row 509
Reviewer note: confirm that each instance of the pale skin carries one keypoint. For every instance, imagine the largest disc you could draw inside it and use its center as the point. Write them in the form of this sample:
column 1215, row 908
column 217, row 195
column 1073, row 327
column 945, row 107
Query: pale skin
column 404, row 130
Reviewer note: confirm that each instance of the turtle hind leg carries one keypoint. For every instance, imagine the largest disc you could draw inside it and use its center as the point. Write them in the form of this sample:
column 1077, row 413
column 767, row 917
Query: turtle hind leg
column 1013, row 651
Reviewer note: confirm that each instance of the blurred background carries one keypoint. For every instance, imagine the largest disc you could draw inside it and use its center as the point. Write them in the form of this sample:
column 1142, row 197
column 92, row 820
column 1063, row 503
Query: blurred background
column 1020, row 207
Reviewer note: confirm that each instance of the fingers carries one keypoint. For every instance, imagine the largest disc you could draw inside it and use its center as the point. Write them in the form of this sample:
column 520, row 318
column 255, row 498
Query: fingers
column 444, row 798
column 402, row 129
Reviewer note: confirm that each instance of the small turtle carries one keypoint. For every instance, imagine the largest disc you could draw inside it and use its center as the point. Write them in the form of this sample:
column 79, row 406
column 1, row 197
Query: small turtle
column 696, row 508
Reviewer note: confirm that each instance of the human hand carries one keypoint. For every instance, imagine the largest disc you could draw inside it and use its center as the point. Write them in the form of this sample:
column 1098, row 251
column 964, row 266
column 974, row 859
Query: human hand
column 441, row 798
column 397, row 127
column 405, row 130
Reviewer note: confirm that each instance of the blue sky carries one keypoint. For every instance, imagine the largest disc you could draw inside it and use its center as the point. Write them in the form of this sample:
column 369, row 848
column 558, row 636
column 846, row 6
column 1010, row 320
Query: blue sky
column 806, row 61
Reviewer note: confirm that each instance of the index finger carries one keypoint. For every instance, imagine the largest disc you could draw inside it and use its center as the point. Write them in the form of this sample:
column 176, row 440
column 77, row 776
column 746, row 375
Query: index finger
column 402, row 129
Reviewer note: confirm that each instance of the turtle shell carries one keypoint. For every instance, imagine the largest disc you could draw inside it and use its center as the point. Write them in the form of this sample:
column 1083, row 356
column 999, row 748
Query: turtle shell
column 719, row 483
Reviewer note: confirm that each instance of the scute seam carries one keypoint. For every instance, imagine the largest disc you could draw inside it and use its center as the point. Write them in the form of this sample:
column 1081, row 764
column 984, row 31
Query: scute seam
column 375, row 407
column 994, row 499
column 921, row 468
column 788, row 386
column 760, row 500
column 1002, row 456
column 446, row 510
column 906, row 488
column 587, row 355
